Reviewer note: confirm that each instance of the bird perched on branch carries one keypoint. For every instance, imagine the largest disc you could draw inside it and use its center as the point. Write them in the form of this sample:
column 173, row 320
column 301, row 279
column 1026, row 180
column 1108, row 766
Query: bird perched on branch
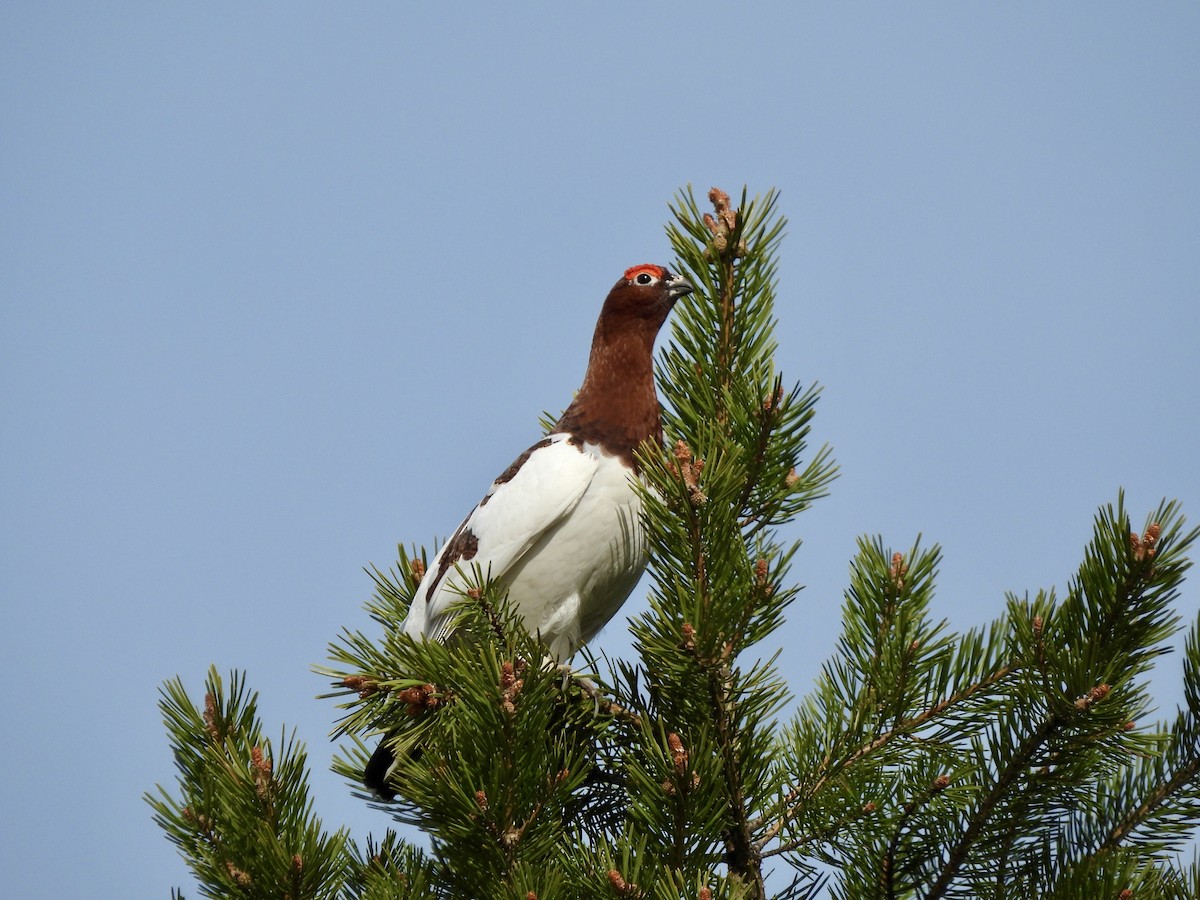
column 560, row 528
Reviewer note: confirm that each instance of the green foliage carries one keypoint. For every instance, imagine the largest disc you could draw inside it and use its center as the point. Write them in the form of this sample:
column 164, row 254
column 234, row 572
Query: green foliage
column 494, row 744
column 1007, row 760
column 390, row 870
column 243, row 820
column 1010, row 760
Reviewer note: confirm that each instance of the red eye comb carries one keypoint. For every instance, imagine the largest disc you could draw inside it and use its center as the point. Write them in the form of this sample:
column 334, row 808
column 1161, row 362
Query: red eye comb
column 634, row 271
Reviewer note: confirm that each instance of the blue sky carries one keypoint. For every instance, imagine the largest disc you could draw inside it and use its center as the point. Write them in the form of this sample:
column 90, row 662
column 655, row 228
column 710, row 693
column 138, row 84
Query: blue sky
column 285, row 285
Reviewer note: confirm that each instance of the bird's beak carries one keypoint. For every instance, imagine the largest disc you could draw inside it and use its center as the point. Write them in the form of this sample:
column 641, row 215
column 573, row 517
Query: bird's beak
column 678, row 286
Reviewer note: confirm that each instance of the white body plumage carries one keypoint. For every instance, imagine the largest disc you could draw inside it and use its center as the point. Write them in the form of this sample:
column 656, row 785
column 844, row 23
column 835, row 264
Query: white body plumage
column 560, row 530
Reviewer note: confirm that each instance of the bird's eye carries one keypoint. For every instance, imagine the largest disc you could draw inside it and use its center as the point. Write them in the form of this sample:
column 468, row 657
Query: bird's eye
column 644, row 274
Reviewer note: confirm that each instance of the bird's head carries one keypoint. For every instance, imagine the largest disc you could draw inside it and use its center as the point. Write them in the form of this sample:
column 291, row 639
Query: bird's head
column 646, row 292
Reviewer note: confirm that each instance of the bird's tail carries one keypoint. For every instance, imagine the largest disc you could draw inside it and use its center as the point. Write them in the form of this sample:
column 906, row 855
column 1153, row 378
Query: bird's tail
column 379, row 768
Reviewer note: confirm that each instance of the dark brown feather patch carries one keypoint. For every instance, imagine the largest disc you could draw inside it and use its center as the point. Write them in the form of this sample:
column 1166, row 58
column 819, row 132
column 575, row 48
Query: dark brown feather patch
column 511, row 472
column 464, row 545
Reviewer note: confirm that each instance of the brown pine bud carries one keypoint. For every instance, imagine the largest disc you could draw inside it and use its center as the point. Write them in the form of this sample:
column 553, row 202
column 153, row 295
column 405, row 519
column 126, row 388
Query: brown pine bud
column 210, row 717
column 689, row 637
column 762, row 570
column 1095, row 695
column 679, row 755
column 360, row 683
column 897, row 571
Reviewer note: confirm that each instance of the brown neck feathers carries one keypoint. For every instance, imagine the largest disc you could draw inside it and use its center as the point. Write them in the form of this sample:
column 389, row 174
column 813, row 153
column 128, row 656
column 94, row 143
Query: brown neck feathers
column 617, row 407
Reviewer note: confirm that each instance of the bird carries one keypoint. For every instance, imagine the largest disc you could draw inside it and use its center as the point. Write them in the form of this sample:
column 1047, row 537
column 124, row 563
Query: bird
column 560, row 528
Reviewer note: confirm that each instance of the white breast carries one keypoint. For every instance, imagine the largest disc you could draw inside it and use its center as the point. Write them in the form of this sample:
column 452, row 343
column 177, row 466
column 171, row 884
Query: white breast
column 580, row 572
column 561, row 530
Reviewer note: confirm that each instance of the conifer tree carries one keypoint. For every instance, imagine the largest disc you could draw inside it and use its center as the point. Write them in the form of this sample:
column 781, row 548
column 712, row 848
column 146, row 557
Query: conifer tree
column 1010, row 760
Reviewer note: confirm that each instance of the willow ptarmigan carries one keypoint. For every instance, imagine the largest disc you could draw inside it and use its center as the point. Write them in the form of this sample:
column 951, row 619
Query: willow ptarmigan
column 560, row 528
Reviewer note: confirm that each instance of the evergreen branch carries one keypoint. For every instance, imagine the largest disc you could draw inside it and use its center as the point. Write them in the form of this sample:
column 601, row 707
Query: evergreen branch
column 1018, row 818
column 727, row 281
column 1108, row 628
column 731, row 252
column 390, row 870
column 742, row 856
column 243, row 820
column 794, row 801
column 768, row 420
column 1006, row 778
column 1183, row 777
column 603, row 704
column 891, row 857
column 1174, row 777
